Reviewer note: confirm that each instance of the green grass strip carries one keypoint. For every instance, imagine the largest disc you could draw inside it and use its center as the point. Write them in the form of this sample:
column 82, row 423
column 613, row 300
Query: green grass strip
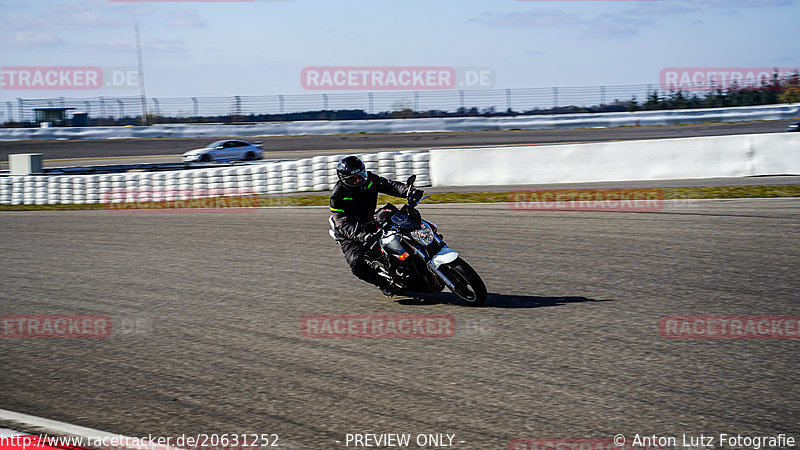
column 760, row 191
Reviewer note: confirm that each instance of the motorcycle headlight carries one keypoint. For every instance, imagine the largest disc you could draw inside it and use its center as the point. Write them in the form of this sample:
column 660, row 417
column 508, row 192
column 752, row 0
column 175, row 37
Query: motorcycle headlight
column 424, row 235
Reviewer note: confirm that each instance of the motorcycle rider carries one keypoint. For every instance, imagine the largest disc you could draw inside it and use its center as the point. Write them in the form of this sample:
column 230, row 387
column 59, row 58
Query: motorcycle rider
column 353, row 203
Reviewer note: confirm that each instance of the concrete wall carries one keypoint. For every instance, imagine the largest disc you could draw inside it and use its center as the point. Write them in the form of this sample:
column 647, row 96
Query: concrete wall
column 702, row 157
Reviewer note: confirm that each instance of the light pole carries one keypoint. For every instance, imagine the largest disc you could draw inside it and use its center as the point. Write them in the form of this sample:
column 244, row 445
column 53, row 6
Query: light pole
column 141, row 75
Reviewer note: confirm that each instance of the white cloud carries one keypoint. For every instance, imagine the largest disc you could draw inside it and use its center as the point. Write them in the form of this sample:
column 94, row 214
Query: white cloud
column 730, row 4
column 165, row 46
column 29, row 39
column 602, row 26
column 727, row 7
column 85, row 15
column 114, row 45
column 660, row 9
column 533, row 17
column 609, row 26
column 185, row 18
column 787, row 60
column 128, row 46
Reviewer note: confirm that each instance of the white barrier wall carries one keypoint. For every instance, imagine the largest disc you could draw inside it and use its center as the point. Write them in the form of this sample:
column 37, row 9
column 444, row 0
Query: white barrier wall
column 304, row 175
column 702, row 157
column 537, row 122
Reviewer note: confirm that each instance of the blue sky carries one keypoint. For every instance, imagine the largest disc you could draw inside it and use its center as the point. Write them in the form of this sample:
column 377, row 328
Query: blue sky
column 259, row 48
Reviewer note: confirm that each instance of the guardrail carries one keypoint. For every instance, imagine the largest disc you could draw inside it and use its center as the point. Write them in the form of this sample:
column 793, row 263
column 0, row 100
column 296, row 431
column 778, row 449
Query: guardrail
column 522, row 99
column 534, row 122
column 304, row 175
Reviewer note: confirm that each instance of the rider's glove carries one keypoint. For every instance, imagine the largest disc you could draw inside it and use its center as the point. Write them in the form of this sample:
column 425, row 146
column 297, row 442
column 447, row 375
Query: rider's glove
column 416, row 195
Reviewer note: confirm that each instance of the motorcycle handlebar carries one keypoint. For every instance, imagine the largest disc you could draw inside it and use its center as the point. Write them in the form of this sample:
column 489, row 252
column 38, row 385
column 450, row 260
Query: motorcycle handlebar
column 413, row 204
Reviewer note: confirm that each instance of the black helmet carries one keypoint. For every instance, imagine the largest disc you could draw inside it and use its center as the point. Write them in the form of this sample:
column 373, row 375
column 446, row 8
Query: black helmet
column 352, row 171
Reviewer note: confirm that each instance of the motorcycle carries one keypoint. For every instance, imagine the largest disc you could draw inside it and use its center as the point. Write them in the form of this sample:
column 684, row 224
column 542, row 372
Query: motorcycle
column 411, row 254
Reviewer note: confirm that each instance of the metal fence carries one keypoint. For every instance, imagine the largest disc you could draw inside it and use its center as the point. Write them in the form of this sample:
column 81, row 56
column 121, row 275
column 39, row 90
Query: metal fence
column 500, row 100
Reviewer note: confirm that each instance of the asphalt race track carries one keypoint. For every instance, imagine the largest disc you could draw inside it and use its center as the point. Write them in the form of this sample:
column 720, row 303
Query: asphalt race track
column 305, row 146
column 568, row 345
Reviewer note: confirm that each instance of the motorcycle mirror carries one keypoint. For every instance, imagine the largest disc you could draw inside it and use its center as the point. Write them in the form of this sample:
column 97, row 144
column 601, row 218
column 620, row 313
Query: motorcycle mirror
column 411, row 179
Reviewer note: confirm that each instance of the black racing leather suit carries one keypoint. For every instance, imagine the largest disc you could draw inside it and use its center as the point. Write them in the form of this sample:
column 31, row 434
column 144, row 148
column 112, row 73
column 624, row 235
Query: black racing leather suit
column 352, row 210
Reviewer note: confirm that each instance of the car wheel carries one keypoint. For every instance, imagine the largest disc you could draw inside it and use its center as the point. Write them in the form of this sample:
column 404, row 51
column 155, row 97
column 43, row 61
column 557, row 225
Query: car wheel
column 205, row 158
column 249, row 156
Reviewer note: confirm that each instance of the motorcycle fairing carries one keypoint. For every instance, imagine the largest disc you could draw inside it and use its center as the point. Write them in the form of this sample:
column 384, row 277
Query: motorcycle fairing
column 444, row 256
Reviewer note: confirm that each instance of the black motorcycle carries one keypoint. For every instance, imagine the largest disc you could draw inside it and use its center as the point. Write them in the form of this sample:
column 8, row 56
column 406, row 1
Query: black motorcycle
column 412, row 256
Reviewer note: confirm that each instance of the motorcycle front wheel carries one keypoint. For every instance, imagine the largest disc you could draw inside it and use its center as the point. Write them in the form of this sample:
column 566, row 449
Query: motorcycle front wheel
column 469, row 286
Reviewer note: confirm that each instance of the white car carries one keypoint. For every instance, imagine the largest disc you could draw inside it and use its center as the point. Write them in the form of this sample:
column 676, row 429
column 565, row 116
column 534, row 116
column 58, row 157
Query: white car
column 231, row 150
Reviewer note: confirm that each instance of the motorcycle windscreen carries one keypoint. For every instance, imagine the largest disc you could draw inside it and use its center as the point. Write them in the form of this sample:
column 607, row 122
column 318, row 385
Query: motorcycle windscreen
column 405, row 222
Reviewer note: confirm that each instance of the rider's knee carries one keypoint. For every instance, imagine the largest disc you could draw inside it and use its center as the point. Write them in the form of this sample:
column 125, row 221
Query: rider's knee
column 360, row 269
